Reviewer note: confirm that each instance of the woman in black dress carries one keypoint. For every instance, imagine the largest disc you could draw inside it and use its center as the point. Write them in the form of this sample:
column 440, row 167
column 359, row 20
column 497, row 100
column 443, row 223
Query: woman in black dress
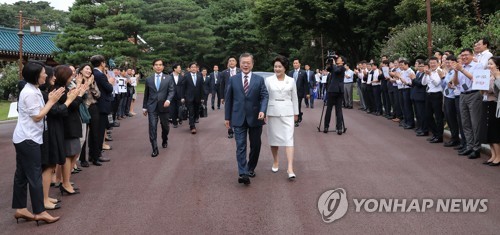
column 53, row 151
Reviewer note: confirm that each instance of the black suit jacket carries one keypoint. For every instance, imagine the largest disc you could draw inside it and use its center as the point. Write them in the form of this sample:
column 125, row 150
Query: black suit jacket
column 215, row 84
column 179, row 87
column 106, row 99
column 335, row 80
column 154, row 99
column 418, row 90
column 207, row 85
column 302, row 84
column 224, row 82
column 191, row 92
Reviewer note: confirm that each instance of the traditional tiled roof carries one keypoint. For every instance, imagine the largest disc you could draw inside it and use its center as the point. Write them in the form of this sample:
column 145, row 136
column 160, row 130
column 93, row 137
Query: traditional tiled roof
column 33, row 44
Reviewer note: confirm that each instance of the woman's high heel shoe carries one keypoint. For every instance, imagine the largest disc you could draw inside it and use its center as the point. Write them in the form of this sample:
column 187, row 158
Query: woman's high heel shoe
column 291, row 176
column 18, row 216
column 63, row 190
column 46, row 220
column 274, row 170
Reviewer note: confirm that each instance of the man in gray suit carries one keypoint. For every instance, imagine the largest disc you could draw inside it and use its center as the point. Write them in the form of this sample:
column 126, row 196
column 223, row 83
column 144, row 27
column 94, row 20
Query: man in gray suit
column 158, row 93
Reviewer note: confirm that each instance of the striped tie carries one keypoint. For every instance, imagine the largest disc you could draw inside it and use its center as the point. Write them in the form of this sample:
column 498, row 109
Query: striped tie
column 245, row 85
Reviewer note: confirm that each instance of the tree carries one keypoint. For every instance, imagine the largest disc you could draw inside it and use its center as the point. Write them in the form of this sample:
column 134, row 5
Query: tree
column 52, row 19
column 411, row 42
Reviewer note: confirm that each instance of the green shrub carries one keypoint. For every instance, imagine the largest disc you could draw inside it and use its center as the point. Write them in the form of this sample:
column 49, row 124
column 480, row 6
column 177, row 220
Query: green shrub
column 9, row 80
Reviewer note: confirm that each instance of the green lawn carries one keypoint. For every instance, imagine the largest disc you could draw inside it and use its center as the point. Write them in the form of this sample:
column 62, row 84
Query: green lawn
column 4, row 109
column 139, row 88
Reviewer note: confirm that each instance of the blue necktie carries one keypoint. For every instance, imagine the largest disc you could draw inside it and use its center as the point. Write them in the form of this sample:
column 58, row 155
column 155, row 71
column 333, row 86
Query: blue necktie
column 295, row 75
column 194, row 79
column 158, row 81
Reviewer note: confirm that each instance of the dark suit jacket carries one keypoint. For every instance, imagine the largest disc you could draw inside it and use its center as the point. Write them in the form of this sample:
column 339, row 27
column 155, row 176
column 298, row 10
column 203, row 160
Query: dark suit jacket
column 207, row 85
column 240, row 107
column 72, row 122
column 312, row 79
column 335, row 80
column 154, row 99
column 106, row 99
column 224, row 76
column 302, row 84
column 418, row 91
column 191, row 92
column 215, row 85
column 179, row 87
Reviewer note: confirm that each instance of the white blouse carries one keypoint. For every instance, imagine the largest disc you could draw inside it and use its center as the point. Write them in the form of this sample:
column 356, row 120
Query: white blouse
column 30, row 104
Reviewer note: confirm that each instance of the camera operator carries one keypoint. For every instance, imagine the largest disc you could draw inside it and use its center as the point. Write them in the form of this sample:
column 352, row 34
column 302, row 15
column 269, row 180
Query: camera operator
column 335, row 92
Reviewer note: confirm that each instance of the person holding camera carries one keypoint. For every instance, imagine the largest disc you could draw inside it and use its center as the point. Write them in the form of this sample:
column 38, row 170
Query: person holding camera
column 335, row 93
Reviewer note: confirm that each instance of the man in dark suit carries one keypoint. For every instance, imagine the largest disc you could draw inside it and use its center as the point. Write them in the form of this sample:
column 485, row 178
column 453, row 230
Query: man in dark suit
column 193, row 94
column 311, row 80
column 418, row 96
column 158, row 92
column 179, row 91
column 216, row 90
column 104, row 103
column 302, row 85
column 225, row 76
column 246, row 105
column 335, row 93
column 207, row 86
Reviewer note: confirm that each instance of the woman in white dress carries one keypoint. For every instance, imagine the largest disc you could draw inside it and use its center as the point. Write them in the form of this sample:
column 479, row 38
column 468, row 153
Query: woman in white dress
column 282, row 113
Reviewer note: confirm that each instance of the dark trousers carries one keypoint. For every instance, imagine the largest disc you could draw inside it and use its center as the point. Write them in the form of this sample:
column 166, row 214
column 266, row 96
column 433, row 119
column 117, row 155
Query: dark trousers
column 334, row 99
column 153, row 127
column 123, row 103
column 420, row 113
column 174, row 111
column 216, row 92
column 300, row 108
column 396, row 106
column 194, row 113
column 116, row 104
column 254, row 134
column 103, row 124
column 463, row 140
column 450, row 111
column 94, row 132
column 387, row 102
column 369, row 98
column 130, row 94
column 311, row 98
column 377, row 97
column 434, row 113
column 409, row 115
column 28, row 171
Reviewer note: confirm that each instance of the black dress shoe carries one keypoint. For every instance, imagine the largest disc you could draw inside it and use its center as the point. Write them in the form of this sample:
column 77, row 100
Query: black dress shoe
column 103, row 159
column 325, row 130
column 96, row 163
column 436, row 140
column 431, row 138
column 451, row 143
column 339, row 132
column 84, row 164
column 175, row 126
column 243, row 179
column 486, row 162
column 213, row 108
column 251, row 174
column 475, row 154
column 408, row 127
column 154, row 153
column 230, row 135
column 459, row 148
column 494, row 164
column 296, row 124
column 422, row 133
column 465, row 152
column 164, row 145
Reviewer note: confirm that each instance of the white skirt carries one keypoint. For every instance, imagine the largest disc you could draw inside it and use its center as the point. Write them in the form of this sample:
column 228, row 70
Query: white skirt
column 280, row 130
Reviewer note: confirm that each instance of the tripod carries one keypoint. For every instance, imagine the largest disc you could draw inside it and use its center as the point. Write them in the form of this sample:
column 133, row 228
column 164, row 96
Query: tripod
column 321, row 119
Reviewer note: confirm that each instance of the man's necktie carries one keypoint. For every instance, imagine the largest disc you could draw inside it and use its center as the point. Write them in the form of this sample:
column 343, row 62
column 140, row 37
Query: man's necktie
column 295, row 75
column 245, row 85
column 158, row 81
column 194, row 78
column 307, row 72
column 215, row 75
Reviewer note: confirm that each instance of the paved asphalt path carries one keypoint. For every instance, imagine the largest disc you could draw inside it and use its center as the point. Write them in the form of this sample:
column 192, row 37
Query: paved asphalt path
column 191, row 187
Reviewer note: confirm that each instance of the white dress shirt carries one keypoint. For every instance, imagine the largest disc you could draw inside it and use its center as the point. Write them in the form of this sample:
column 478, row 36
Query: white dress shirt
column 375, row 81
column 483, row 58
column 30, row 104
column 433, row 82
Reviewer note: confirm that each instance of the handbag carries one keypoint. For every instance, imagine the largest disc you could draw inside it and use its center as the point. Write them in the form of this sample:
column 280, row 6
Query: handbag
column 84, row 113
column 203, row 111
column 183, row 112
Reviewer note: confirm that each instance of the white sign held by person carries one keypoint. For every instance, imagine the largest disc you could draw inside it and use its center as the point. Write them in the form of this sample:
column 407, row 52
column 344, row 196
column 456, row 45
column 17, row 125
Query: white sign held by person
column 481, row 80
